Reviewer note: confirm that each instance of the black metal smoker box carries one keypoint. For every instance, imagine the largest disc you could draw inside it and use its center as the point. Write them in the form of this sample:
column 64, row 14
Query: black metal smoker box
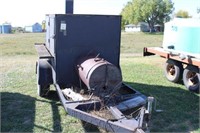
column 82, row 54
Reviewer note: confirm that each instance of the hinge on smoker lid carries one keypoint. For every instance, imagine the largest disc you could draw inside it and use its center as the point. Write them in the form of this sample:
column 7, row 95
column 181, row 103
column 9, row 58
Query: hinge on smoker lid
column 48, row 23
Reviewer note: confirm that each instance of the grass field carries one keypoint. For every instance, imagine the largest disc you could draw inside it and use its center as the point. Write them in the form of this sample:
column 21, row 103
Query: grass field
column 23, row 111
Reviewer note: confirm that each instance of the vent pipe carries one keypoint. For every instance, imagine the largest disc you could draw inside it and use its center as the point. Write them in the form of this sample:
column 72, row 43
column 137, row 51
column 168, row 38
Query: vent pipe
column 69, row 6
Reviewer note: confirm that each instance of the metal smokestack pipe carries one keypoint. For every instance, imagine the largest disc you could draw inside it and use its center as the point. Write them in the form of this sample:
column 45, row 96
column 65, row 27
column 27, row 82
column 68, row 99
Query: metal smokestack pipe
column 69, row 6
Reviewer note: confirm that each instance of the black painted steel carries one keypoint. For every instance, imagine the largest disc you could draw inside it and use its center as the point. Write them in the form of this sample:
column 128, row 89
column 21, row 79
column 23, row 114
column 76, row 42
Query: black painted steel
column 71, row 40
column 71, row 37
column 69, row 6
column 80, row 111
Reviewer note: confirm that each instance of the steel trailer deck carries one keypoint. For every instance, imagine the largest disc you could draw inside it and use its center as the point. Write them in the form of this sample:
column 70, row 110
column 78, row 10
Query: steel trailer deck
column 168, row 55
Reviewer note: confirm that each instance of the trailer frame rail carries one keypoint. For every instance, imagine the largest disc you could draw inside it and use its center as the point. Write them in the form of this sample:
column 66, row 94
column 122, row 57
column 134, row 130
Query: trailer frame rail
column 169, row 55
column 76, row 109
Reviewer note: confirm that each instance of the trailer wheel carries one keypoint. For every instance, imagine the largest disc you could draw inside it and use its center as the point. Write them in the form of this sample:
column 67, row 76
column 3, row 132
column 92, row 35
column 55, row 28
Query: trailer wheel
column 191, row 78
column 42, row 89
column 173, row 70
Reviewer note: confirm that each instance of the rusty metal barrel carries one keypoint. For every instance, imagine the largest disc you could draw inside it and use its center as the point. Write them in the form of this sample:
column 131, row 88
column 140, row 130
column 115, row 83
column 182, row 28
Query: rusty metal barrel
column 100, row 75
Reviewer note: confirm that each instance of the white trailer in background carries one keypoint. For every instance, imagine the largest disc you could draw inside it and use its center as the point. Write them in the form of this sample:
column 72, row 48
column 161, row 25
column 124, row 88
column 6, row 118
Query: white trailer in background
column 181, row 48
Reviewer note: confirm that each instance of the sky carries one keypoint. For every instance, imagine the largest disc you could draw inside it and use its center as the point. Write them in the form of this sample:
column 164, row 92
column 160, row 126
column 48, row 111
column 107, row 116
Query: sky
column 188, row 5
column 27, row 12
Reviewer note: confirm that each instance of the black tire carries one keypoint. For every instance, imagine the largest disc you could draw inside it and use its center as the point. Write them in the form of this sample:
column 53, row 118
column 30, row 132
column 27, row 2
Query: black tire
column 191, row 78
column 42, row 89
column 173, row 71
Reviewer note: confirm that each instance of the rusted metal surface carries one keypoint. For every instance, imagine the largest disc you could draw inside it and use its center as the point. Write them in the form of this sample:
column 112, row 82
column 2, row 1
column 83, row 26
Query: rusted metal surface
column 165, row 54
column 81, row 110
column 100, row 75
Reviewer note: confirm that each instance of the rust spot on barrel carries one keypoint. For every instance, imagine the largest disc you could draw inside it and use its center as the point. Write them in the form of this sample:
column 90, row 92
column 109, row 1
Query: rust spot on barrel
column 100, row 75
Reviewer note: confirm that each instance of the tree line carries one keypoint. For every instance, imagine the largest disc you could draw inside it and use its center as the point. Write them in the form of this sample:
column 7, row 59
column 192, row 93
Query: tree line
column 150, row 11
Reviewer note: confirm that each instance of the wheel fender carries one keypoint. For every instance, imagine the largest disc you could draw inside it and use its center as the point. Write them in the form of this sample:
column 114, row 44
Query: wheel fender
column 44, row 72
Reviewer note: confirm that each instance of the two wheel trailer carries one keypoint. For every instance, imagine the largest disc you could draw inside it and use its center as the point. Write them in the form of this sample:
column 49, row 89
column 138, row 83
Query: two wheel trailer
column 181, row 49
column 81, row 59
column 179, row 67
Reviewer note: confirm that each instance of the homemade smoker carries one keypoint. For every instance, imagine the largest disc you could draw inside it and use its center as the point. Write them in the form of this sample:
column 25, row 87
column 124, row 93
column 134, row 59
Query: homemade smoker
column 81, row 59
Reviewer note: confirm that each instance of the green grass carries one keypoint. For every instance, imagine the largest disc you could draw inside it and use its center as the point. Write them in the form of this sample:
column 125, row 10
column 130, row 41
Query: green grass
column 181, row 107
column 135, row 42
column 23, row 111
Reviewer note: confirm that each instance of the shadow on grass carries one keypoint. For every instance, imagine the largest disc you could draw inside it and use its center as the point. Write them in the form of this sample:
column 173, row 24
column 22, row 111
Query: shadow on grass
column 18, row 112
column 53, row 96
column 153, row 33
column 87, row 127
column 181, row 108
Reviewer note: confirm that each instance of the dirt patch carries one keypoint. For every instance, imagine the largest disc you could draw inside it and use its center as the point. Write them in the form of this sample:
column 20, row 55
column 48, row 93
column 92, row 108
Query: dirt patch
column 131, row 55
column 103, row 113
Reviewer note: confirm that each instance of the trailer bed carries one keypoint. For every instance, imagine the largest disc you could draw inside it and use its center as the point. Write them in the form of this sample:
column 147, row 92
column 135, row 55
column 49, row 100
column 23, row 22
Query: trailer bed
column 169, row 55
column 179, row 66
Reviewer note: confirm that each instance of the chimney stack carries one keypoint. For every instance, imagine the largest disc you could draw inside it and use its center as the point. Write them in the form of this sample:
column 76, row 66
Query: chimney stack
column 69, row 6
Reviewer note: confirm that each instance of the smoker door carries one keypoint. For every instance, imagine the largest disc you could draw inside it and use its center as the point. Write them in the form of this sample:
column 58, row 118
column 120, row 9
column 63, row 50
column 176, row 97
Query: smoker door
column 78, row 36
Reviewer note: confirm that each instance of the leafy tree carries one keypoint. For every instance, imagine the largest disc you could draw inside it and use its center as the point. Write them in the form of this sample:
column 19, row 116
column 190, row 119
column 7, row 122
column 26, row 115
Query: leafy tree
column 150, row 11
column 182, row 14
column 126, row 13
